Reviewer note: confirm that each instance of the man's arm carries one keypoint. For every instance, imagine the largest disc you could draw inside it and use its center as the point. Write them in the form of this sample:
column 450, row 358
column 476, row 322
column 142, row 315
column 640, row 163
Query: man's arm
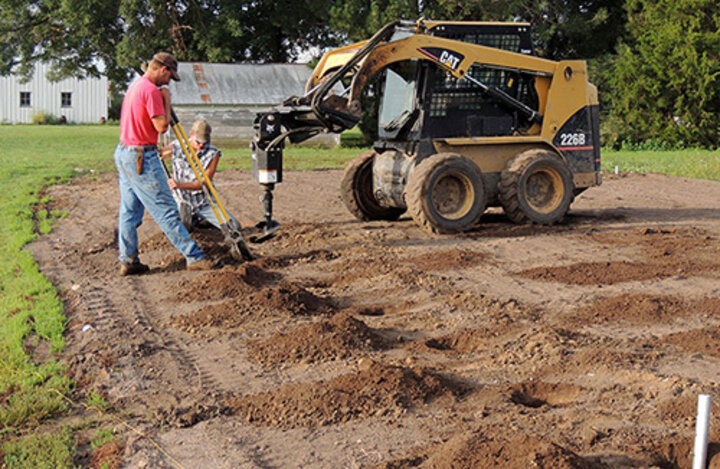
column 161, row 123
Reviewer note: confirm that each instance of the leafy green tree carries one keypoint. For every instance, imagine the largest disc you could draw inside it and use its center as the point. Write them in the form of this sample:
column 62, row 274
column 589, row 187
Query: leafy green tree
column 87, row 37
column 666, row 79
column 360, row 19
column 562, row 28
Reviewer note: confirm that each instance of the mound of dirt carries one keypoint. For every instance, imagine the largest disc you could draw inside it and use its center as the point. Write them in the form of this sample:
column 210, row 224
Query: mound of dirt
column 660, row 243
column 704, row 341
column 304, row 236
column 684, row 409
column 454, row 259
column 289, row 298
column 471, row 450
column 339, row 337
column 604, row 273
column 378, row 389
column 635, row 308
column 546, row 346
column 285, row 299
column 386, row 267
column 478, row 302
column 224, row 315
column 373, row 267
column 211, row 241
column 669, row 252
column 607, row 355
column 229, row 282
column 365, row 266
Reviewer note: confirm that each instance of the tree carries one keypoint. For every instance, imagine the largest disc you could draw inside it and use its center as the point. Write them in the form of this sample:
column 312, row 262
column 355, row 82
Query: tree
column 666, row 79
column 562, row 29
column 85, row 37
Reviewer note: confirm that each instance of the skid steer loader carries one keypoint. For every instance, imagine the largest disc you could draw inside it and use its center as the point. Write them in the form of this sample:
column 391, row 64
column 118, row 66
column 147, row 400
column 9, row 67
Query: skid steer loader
column 468, row 118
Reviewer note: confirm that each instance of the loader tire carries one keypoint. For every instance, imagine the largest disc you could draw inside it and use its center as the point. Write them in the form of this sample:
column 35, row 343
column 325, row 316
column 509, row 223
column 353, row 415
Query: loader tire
column 356, row 191
column 446, row 193
column 536, row 187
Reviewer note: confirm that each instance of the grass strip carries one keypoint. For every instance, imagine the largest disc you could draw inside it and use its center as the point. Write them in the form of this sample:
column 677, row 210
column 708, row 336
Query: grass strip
column 690, row 163
column 32, row 320
column 54, row 451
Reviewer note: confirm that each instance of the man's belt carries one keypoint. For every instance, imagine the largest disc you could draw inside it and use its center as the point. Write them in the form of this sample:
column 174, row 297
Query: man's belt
column 139, row 149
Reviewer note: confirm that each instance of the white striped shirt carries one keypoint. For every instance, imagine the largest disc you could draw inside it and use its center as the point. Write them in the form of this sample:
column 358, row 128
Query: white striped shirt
column 183, row 172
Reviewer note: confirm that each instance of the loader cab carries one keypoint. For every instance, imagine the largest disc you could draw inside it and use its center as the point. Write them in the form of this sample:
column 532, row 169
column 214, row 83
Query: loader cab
column 419, row 101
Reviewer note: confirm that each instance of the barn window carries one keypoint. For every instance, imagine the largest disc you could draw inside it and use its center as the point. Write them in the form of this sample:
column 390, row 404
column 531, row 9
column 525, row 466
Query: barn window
column 66, row 99
column 24, row 99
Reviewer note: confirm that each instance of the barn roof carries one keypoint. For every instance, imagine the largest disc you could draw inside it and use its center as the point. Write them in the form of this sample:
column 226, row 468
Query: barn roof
column 203, row 83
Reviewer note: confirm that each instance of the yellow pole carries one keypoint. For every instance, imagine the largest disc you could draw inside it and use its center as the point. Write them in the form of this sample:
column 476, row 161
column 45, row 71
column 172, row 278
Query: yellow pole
column 198, row 170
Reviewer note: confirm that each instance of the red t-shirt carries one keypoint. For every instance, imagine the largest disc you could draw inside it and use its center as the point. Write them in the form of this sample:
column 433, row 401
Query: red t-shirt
column 142, row 102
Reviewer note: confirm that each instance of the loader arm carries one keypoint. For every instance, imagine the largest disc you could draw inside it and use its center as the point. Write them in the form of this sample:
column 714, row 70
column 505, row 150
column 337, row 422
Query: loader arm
column 322, row 110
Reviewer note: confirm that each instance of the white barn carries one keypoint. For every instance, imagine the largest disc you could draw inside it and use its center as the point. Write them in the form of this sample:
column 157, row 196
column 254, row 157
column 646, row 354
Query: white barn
column 79, row 100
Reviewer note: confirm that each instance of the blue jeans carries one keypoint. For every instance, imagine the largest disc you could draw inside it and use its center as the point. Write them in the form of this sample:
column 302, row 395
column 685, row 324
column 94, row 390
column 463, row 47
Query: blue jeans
column 148, row 190
column 206, row 213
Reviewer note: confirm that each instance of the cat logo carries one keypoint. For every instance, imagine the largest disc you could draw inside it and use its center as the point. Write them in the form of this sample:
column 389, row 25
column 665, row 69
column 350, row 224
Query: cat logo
column 447, row 58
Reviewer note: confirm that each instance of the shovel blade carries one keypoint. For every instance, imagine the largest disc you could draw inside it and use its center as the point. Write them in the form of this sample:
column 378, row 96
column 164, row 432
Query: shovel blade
column 235, row 242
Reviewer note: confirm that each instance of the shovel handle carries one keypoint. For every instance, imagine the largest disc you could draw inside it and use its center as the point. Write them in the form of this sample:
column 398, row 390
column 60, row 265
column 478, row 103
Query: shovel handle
column 173, row 118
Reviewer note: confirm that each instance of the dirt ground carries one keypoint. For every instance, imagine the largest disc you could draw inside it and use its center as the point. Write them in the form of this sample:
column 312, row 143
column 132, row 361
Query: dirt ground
column 354, row 344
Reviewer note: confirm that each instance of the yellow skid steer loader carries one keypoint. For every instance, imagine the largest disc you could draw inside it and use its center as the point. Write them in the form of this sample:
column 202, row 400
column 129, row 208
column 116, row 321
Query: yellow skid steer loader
column 468, row 118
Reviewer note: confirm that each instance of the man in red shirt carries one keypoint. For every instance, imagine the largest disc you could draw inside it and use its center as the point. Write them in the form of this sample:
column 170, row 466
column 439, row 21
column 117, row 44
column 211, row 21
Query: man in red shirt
column 143, row 184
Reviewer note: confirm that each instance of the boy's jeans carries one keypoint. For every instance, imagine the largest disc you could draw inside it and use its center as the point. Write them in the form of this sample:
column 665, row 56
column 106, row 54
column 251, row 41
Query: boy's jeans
column 206, row 213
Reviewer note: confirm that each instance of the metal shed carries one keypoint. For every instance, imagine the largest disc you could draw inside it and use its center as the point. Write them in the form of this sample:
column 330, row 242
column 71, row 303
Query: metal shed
column 79, row 100
column 229, row 95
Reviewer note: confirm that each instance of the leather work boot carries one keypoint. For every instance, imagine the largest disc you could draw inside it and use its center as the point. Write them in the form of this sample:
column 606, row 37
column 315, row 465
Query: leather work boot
column 132, row 268
column 202, row 264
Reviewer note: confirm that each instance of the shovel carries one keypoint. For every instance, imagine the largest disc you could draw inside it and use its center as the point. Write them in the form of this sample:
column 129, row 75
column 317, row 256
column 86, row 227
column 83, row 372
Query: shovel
column 231, row 231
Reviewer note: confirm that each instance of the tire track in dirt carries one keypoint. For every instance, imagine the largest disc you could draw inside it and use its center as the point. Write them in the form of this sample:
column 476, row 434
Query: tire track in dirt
column 127, row 307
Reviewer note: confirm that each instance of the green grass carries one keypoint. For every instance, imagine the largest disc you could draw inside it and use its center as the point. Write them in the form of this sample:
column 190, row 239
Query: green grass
column 102, row 436
column 95, row 400
column 692, row 163
column 41, row 452
column 31, row 314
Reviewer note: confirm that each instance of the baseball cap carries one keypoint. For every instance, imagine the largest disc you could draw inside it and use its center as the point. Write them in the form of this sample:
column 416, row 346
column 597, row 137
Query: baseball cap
column 166, row 59
column 201, row 129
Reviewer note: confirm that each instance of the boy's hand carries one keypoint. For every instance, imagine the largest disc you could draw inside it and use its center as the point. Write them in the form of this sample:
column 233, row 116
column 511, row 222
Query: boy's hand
column 166, row 152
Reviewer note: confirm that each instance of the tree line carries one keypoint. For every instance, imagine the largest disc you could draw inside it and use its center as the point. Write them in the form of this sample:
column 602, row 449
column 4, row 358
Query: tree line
column 656, row 62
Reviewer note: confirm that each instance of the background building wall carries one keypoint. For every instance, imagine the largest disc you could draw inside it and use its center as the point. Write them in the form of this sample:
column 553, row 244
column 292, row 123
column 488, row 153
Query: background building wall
column 229, row 96
column 89, row 98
